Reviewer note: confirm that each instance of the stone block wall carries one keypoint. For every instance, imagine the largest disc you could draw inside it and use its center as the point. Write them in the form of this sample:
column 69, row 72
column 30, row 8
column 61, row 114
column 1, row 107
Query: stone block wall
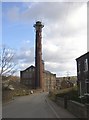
column 77, row 109
column 60, row 101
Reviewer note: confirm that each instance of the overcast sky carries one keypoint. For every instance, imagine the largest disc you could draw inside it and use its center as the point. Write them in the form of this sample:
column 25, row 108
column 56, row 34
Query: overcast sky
column 64, row 36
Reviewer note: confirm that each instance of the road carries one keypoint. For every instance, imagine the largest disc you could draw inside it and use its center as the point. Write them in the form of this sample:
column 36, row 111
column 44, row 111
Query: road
column 36, row 105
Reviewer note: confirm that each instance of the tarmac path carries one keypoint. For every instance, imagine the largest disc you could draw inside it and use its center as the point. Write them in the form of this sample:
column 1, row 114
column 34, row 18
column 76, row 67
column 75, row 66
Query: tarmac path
column 36, row 105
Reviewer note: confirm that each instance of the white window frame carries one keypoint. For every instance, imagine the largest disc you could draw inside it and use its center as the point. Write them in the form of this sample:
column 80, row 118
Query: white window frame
column 79, row 67
column 86, row 91
column 80, row 89
column 86, row 65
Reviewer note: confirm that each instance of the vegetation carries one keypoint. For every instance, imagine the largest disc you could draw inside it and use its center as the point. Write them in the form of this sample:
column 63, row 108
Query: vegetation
column 69, row 93
column 19, row 89
column 7, row 62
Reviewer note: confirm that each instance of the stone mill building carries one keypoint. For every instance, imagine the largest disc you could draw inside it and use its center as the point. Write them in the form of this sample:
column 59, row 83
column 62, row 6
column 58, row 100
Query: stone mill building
column 36, row 77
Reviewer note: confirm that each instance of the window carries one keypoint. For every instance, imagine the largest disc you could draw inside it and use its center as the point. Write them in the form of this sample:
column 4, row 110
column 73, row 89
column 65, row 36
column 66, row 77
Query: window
column 86, row 65
column 30, row 82
column 27, row 70
column 81, row 92
column 86, row 86
column 30, row 75
column 79, row 67
column 24, row 75
column 32, row 69
column 26, row 82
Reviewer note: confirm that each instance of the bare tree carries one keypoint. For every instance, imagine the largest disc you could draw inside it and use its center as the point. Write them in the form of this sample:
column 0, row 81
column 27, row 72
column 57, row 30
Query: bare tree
column 7, row 64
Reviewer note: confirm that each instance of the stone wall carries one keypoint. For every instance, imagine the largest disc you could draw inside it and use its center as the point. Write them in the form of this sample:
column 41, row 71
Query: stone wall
column 87, row 105
column 7, row 95
column 60, row 101
column 78, row 109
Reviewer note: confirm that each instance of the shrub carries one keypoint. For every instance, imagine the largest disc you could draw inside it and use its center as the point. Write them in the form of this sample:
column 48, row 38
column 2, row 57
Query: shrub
column 71, row 94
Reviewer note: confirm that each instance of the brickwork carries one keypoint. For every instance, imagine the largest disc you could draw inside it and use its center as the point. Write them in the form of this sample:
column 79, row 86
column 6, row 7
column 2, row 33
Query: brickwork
column 39, row 78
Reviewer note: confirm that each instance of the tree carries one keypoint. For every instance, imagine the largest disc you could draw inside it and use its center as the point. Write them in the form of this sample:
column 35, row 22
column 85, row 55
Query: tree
column 7, row 64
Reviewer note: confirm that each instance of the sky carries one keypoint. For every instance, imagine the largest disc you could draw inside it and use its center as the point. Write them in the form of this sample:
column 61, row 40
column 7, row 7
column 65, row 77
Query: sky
column 64, row 36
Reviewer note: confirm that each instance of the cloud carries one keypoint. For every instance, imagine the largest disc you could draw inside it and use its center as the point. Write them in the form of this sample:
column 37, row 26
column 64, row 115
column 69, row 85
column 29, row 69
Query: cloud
column 24, row 57
column 25, row 54
column 45, row 0
column 64, row 33
column 44, row 10
column 66, row 40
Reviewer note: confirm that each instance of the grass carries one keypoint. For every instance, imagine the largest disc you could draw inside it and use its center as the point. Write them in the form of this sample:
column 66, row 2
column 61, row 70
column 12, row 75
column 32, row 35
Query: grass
column 21, row 92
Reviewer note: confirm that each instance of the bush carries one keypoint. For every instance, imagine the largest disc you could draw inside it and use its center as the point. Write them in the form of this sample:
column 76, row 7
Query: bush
column 71, row 94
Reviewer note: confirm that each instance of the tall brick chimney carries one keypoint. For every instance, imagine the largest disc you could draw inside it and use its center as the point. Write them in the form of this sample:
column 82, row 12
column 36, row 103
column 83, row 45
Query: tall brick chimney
column 38, row 55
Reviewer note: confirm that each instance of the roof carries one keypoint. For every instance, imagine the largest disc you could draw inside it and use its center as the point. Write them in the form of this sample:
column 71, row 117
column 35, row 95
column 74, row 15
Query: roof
column 46, row 71
column 29, row 67
column 82, row 55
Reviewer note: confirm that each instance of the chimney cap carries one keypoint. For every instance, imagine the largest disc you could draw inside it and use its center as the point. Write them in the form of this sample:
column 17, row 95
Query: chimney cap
column 38, row 22
column 38, row 25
